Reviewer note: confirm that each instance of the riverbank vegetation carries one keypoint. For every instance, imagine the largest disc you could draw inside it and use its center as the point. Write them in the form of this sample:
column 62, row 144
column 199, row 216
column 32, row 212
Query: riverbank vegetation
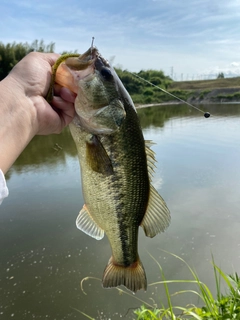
column 12, row 53
column 206, row 84
column 196, row 91
column 223, row 305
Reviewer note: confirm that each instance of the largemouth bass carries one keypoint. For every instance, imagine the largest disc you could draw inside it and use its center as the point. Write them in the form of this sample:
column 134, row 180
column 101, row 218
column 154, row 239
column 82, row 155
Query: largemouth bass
column 116, row 167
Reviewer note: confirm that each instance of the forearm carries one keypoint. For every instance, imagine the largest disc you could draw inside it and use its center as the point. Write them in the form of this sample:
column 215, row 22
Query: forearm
column 16, row 128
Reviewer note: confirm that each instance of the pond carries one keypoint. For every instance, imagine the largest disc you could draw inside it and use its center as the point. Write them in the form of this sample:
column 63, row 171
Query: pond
column 44, row 257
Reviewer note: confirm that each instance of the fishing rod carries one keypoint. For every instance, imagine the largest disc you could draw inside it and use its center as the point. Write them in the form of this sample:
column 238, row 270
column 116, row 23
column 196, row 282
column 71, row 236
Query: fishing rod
column 206, row 114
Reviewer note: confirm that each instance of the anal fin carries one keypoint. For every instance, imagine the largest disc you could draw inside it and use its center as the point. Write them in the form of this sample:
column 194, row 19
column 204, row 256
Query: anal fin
column 157, row 216
column 86, row 224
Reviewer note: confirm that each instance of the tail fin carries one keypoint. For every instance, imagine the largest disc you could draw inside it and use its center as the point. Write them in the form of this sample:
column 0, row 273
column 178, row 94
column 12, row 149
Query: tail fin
column 132, row 277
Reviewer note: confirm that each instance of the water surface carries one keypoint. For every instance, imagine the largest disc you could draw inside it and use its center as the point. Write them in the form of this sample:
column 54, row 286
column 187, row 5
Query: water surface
column 44, row 256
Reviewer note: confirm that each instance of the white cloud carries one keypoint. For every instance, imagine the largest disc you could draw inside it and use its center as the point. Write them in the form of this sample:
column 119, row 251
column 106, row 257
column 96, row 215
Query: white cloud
column 235, row 64
column 229, row 70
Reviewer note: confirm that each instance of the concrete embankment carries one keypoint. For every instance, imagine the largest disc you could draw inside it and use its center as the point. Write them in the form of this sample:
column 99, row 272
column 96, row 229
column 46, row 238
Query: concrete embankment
column 215, row 95
column 200, row 96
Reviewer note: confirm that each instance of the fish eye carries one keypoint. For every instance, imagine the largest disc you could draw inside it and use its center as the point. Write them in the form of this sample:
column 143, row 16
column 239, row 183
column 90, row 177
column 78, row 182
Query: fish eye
column 106, row 74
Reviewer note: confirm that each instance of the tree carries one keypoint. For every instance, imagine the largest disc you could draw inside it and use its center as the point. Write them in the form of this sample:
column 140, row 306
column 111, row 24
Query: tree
column 12, row 53
column 220, row 75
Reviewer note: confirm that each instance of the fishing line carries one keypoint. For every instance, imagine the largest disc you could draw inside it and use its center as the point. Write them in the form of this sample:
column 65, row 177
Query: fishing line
column 206, row 114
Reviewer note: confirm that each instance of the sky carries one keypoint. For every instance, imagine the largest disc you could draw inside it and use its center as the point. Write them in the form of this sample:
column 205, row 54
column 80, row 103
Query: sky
column 187, row 39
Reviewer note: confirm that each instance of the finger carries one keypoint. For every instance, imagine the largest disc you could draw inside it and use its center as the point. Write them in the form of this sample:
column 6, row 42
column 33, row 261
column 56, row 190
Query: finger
column 64, row 93
column 50, row 121
column 67, row 94
column 51, row 58
column 64, row 109
column 57, row 89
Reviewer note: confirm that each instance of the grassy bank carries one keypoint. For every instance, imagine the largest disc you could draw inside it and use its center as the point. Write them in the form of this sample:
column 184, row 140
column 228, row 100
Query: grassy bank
column 199, row 91
column 220, row 306
column 206, row 84
column 208, row 91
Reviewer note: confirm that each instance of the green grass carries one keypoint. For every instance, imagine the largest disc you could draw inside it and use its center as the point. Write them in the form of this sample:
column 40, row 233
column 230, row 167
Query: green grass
column 205, row 84
column 230, row 97
column 222, row 307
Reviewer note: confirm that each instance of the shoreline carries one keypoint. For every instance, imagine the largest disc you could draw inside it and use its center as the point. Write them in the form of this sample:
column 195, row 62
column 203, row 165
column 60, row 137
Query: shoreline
column 198, row 97
column 158, row 104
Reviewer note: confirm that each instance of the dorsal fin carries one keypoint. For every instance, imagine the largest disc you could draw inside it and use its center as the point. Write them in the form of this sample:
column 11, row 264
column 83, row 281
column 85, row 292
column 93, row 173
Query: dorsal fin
column 150, row 158
column 157, row 216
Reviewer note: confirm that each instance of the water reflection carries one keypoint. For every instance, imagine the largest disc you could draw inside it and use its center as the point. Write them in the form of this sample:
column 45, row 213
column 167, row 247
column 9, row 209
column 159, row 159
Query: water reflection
column 44, row 257
column 158, row 116
column 54, row 149
column 46, row 150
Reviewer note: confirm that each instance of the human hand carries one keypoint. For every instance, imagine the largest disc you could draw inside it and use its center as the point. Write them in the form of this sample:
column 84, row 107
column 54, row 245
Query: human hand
column 24, row 112
column 32, row 77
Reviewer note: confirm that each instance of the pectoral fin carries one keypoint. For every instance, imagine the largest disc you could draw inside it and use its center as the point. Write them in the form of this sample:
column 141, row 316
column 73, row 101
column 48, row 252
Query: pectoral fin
column 97, row 157
column 157, row 216
column 86, row 224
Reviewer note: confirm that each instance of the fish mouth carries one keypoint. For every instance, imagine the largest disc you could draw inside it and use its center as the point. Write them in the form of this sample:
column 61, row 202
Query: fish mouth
column 90, row 58
column 83, row 61
column 83, row 67
column 86, row 65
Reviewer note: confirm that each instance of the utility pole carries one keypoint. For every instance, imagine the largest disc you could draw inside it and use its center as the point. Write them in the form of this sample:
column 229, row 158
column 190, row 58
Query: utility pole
column 172, row 72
